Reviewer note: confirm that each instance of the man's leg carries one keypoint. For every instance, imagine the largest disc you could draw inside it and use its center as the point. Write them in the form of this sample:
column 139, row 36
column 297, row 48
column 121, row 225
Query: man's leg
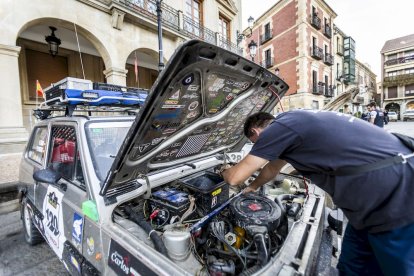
column 395, row 250
column 357, row 257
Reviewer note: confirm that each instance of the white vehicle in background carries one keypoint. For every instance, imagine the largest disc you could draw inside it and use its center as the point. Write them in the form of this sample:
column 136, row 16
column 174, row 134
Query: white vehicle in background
column 408, row 115
column 392, row 116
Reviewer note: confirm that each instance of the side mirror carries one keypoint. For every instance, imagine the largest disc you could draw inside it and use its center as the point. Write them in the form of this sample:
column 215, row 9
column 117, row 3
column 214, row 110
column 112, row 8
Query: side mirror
column 47, row 176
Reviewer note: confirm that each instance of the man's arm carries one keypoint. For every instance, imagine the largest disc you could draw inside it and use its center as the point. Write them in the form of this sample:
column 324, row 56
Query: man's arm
column 269, row 172
column 243, row 170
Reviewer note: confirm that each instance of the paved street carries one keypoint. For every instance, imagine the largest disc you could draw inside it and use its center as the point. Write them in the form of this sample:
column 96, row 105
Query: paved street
column 18, row 258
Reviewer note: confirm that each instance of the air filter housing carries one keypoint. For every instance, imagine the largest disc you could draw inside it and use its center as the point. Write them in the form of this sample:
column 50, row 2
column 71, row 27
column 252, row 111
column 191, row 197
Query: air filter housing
column 253, row 209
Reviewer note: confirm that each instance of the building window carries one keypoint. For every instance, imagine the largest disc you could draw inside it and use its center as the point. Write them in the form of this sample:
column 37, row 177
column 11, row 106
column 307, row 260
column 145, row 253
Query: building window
column 392, row 92
column 315, row 105
column 394, row 56
column 409, row 71
column 326, row 85
column 193, row 10
column 267, row 31
column 268, row 58
column 314, row 81
column 409, row 90
column 224, row 27
column 392, row 74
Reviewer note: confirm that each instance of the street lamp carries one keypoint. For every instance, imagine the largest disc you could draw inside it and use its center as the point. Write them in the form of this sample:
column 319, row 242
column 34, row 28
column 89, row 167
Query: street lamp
column 160, row 50
column 240, row 35
column 252, row 49
column 53, row 42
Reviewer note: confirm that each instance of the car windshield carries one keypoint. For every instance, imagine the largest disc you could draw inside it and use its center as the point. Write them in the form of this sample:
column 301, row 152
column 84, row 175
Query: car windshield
column 104, row 140
column 410, row 111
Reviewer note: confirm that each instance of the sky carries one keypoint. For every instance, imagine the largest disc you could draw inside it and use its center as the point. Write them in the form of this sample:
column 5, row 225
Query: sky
column 369, row 22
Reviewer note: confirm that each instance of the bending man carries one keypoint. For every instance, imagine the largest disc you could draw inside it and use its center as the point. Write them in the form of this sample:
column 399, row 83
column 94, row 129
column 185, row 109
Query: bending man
column 378, row 203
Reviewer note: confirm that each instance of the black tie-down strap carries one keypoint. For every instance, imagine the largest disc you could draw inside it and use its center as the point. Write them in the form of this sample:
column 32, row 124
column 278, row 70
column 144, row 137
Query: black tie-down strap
column 400, row 158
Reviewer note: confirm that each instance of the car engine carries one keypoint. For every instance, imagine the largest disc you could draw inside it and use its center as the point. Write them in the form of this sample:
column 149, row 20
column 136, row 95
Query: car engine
column 207, row 227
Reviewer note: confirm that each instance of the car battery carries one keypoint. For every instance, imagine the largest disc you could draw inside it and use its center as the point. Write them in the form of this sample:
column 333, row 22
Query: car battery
column 167, row 204
column 209, row 189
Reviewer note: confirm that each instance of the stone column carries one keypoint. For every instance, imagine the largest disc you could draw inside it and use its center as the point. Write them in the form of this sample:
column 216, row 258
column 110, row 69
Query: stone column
column 13, row 136
column 115, row 75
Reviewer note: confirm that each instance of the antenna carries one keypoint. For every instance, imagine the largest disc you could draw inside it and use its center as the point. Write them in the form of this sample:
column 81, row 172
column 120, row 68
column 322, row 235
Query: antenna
column 80, row 55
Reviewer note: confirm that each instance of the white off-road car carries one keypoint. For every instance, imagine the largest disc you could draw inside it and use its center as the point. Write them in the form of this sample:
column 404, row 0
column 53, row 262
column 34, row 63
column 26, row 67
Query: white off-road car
column 141, row 195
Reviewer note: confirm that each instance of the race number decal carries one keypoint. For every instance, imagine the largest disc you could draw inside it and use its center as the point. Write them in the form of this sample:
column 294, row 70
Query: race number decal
column 234, row 157
column 53, row 220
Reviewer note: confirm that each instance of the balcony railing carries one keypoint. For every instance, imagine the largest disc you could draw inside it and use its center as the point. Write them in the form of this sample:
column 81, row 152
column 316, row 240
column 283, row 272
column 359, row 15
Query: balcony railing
column 266, row 36
column 317, row 53
column 319, row 88
column 315, row 21
column 404, row 79
column 399, row 60
column 268, row 62
column 329, row 92
column 177, row 22
column 327, row 31
column 340, row 50
column 328, row 59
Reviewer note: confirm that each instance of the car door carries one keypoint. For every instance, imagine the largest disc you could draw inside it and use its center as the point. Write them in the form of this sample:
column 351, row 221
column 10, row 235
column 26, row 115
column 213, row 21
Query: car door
column 63, row 219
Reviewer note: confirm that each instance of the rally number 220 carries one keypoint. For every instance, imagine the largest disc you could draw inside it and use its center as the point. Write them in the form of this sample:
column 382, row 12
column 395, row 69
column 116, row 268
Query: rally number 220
column 52, row 222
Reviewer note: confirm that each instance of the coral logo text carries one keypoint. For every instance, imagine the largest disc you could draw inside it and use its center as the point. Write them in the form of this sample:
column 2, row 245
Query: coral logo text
column 121, row 262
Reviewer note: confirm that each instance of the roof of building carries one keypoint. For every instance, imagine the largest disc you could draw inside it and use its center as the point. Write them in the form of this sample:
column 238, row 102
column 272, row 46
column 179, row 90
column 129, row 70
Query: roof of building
column 398, row 43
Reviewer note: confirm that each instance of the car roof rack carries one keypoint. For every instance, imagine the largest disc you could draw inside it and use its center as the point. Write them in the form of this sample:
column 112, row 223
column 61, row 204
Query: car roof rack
column 71, row 94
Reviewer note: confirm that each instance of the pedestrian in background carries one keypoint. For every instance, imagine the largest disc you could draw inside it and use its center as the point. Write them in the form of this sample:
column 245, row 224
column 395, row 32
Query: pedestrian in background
column 376, row 115
column 326, row 148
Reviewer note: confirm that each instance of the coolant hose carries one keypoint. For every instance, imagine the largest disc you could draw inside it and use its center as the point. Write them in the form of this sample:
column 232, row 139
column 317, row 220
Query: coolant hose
column 262, row 251
column 140, row 221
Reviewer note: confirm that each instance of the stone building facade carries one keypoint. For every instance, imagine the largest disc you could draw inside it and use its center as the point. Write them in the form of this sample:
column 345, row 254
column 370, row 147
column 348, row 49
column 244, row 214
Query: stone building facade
column 108, row 35
column 397, row 74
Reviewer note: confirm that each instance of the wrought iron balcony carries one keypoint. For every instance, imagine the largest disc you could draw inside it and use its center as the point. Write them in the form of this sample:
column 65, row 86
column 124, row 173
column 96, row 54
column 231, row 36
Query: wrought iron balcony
column 399, row 60
column 329, row 92
column 328, row 59
column 175, row 21
column 404, row 79
column 327, row 31
column 317, row 53
column 266, row 36
column 268, row 62
column 340, row 50
column 318, row 88
column 315, row 21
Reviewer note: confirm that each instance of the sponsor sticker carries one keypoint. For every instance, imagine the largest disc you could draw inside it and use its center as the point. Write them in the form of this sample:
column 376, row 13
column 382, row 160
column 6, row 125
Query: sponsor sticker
column 190, row 96
column 171, row 102
column 156, row 141
column 90, row 246
column 214, row 201
column 169, row 130
column 172, row 106
column 193, row 87
column 124, row 263
column 143, row 147
column 176, row 95
column 77, row 229
column 191, row 114
column 53, row 220
column 193, row 105
column 188, row 79
column 75, row 263
column 213, row 110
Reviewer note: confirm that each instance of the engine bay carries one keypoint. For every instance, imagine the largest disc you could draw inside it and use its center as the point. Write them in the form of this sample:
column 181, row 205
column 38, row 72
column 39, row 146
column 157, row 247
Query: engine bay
column 207, row 227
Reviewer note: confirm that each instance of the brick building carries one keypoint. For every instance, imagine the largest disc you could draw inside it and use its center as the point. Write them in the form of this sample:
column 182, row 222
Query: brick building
column 295, row 37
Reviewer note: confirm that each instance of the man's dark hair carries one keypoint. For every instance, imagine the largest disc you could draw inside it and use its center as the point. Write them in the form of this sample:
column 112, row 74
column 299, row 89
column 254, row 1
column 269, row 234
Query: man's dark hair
column 372, row 104
column 259, row 119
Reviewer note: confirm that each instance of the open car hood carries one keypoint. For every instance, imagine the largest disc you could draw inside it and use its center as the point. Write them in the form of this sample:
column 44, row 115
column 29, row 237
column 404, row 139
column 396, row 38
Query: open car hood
column 196, row 108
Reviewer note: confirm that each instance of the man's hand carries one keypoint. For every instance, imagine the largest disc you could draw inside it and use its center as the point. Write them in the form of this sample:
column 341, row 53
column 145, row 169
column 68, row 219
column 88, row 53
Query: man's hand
column 249, row 189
